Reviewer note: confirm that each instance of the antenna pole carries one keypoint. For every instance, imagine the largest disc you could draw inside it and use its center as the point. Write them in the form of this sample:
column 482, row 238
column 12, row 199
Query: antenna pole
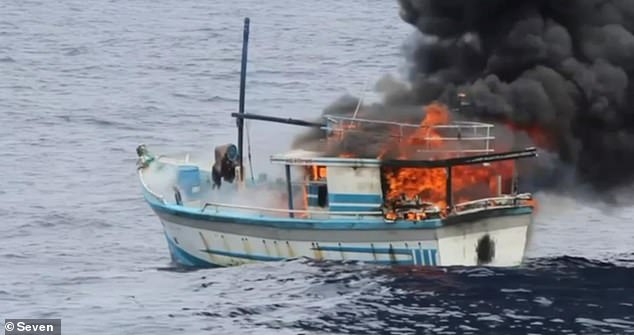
column 243, row 77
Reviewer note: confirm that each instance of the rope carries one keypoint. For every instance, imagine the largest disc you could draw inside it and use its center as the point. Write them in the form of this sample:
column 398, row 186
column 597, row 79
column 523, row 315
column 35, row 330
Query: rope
column 246, row 123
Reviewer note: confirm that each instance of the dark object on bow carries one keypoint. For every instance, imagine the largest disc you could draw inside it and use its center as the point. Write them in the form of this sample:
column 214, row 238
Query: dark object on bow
column 225, row 164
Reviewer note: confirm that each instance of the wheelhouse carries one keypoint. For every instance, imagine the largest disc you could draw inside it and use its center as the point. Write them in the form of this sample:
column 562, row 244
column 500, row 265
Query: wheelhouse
column 362, row 186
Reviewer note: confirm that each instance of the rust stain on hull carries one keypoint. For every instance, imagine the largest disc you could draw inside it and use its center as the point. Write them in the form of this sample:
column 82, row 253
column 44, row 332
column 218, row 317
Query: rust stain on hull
column 291, row 253
column 317, row 253
column 206, row 244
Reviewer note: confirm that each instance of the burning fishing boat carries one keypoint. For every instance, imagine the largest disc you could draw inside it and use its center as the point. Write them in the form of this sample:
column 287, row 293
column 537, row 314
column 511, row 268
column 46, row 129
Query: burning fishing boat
column 438, row 195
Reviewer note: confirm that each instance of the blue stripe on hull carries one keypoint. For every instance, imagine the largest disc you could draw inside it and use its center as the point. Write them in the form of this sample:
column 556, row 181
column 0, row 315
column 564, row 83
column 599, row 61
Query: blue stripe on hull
column 355, row 198
column 433, row 256
column 243, row 256
column 365, row 250
column 426, row 257
column 354, row 208
column 419, row 258
column 182, row 257
column 341, row 202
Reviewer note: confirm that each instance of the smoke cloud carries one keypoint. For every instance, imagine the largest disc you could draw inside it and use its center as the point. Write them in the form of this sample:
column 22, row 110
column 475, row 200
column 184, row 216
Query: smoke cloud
column 557, row 71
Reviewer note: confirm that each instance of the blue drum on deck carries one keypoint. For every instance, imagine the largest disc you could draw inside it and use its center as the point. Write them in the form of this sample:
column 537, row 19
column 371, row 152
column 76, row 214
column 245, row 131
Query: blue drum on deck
column 189, row 179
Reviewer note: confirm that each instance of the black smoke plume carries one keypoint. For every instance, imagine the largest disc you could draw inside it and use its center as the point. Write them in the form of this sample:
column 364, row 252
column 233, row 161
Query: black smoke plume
column 562, row 67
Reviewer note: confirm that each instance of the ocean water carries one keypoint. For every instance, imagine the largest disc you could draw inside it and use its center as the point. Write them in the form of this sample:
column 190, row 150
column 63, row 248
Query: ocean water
column 84, row 82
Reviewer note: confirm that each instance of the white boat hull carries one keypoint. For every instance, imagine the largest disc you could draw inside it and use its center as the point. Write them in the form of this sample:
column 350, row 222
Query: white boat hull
column 491, row 240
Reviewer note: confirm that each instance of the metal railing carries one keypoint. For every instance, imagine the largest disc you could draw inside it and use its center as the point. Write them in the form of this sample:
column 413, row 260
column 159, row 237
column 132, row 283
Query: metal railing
column 309, row 213
column 456, row 132
column 462, row 124
column 491, row 203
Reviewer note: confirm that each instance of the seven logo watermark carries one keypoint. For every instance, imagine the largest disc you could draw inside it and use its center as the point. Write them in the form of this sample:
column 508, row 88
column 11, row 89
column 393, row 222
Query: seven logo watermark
column 33, row 326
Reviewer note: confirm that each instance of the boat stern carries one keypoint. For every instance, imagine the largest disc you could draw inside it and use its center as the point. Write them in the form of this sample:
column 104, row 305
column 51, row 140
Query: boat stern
column 496, row 237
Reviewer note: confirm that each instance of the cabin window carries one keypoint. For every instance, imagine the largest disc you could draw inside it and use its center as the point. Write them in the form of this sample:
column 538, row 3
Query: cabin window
column 316, row 187
column 317, row 194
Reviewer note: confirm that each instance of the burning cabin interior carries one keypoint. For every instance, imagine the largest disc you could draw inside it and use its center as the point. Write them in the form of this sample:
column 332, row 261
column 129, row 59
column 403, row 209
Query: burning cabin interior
column 402, row 192
column 399, row 190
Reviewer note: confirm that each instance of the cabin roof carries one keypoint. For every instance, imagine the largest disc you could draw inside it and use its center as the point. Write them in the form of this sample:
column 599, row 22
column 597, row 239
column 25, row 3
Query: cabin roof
column 303, row 157
column 306, row 157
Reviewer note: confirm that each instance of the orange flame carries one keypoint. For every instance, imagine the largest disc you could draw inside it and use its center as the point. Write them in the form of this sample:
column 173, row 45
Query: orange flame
column 430, row 184
column 426, row 136
column 316, row 172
